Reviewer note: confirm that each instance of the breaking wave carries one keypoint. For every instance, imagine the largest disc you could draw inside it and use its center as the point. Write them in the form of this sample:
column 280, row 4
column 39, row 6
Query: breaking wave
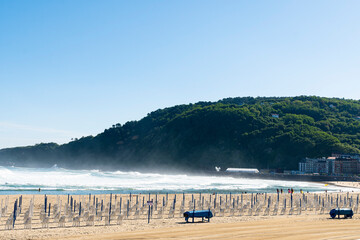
column 60, row 181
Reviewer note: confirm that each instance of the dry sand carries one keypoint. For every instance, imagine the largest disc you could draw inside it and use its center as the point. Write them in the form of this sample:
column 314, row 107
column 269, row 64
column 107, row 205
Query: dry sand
column 346, row 184
column 308, row 225
column 280, row 227
column 272, row 227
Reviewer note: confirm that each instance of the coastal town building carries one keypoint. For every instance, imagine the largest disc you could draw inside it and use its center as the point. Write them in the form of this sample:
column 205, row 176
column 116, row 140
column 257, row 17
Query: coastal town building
column 337, row 164
column 315, row 165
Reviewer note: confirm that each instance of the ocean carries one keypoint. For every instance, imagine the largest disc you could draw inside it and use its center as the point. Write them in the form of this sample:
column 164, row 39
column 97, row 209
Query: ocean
column 18, row 180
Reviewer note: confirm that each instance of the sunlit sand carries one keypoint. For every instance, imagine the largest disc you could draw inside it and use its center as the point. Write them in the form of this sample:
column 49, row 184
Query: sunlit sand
column 245, row 216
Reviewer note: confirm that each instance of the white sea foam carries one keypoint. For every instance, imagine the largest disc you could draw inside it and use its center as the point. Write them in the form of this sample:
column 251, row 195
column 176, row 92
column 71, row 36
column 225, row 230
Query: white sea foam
column 58, row 179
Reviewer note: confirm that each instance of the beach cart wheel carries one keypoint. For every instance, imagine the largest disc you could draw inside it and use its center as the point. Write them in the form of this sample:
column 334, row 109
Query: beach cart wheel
column 333, row 213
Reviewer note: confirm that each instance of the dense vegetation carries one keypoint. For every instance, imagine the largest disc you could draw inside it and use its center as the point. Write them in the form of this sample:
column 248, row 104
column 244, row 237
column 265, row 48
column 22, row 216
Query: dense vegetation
column 233, row 132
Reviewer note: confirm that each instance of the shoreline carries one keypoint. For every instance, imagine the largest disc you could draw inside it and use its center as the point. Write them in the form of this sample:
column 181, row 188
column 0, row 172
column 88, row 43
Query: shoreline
column 347, row 184
column 286, row 177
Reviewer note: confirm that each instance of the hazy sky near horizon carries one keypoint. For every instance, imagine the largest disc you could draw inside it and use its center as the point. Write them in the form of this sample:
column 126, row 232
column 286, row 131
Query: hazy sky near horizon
column 73, row 68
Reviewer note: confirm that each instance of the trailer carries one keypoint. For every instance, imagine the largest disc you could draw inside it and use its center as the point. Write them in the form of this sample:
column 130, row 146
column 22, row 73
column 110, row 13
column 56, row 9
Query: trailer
column 347, row 212
column 198, row 214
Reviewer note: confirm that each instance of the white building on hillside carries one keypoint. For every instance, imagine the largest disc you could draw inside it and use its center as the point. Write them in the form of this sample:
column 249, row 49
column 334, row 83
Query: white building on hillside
column 242, row 170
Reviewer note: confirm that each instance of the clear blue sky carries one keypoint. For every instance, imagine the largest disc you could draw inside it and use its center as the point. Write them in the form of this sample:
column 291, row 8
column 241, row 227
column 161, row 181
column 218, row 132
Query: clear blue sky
column 73, row 68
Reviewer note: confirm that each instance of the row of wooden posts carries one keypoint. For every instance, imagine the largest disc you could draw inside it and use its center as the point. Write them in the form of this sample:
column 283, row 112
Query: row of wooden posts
column 213, row 201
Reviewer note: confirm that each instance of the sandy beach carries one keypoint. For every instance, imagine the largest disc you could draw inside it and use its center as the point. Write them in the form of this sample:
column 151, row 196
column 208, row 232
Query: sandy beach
column 346, row 184
column 240, row 216
column 279, row 227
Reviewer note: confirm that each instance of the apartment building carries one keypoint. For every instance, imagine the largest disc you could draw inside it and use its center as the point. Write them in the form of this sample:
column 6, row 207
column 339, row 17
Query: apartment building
column 337, row 164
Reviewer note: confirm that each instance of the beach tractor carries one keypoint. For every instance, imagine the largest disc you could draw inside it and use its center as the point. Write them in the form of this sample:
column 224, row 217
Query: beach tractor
column 347, row 212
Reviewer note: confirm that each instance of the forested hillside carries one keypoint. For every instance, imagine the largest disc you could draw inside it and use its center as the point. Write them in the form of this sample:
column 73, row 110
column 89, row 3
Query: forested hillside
column 233, row 132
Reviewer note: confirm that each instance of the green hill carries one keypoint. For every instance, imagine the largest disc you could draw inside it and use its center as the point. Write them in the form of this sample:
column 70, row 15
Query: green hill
column 233, row 132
